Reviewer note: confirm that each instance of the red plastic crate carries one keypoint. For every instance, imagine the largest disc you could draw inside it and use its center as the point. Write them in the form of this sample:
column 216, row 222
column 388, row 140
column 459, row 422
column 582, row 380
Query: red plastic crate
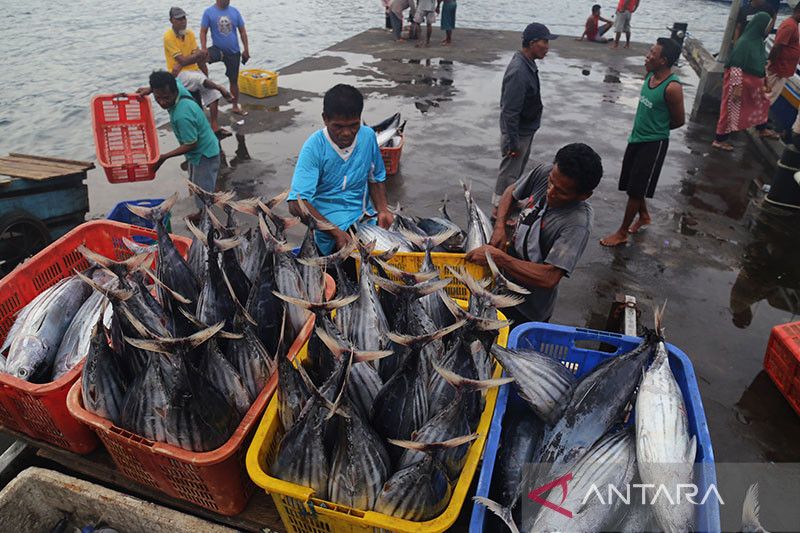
column 216, row 480
column 782, row 361
column 125, row 137
column 391, row 157
column 40, row 410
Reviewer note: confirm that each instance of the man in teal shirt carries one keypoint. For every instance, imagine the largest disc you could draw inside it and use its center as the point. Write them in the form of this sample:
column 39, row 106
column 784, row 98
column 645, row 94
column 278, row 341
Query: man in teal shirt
column 198, row 144
column 340, row 174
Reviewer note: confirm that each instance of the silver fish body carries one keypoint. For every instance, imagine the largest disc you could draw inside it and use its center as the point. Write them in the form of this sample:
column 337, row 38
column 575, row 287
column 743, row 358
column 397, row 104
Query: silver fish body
column 78, row 337
column 103, row 380
column 664, row 448
column 417, row 492
column 541, row 380
column 384, row 239
column 610, row 462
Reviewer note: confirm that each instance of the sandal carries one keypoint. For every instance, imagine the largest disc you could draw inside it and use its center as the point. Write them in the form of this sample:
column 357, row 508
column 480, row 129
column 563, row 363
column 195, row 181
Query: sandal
column 769, row 134
column 725, row 147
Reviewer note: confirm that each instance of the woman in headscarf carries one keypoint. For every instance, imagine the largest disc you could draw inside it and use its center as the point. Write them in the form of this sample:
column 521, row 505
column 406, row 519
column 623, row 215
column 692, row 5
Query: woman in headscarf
column 744, row 99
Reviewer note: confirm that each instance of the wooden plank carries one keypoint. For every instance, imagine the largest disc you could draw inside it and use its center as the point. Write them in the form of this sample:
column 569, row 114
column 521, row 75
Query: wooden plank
column 22, row 169
column 259, row 514
column 39, row 168
column 85, row 165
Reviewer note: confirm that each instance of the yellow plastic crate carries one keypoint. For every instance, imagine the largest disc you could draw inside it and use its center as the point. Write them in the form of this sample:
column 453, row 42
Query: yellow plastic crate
column 412, row 261
column 301, row 512
column 258, row 83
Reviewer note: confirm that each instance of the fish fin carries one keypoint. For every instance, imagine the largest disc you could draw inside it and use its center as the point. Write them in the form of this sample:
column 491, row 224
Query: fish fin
column 751, row 510
column 227, row 244
column 199, row 235
column 310, row 220
column 331, row 260
column 443, row 207
column 428, row 447
column 335, row 407
column 503, row 513
column 272, row 242
column 277, row 199
column 155, row 213
column 504, row 281
column 175, row 296
column 658, row 317
column 339, row 349
column 197, row 323
column 170, row 345
column 460, row 382
column 210, row 198
column 497, row 300
column 488, row 324
column 248, row 206
column 118, row 268
column 407, row 277
column 408, row 340
column 317, row 306
column 456, row 310
column 94, row 258
column 119, row 295
column 137, row 248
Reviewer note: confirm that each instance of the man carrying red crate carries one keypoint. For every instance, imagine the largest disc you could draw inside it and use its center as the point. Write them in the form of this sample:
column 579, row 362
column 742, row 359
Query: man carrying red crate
column 551, row 232
column 198, row 144
column 188, row 63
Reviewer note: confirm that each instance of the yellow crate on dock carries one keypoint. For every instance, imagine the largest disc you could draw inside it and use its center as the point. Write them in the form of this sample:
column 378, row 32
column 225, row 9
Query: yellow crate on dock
column 412, row 262
column 301, row 512
column 258, row 83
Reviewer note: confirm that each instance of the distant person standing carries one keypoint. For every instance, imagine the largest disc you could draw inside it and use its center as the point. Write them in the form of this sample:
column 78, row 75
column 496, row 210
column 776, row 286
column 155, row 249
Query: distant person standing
column 622, row 23
column 746, row 14
column 188, row 63
column 660, row 110
column 396, row 8
column 520, row 106
column 448, row 10
column 744, row 100
column 226, row 24
column 782, row 60
column 592, row 30
column 426, row 12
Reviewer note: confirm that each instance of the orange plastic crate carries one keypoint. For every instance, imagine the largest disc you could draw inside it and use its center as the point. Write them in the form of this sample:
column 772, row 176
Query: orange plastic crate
column 216, row 480
column 40, row 410
column 125, row 137
column 782, row 361
column 391, row 157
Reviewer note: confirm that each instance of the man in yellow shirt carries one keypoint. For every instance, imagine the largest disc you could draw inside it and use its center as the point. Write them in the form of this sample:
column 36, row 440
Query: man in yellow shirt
column 187, row 62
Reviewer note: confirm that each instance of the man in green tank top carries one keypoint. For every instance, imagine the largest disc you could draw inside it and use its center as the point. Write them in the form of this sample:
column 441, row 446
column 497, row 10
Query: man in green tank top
column 660, row 110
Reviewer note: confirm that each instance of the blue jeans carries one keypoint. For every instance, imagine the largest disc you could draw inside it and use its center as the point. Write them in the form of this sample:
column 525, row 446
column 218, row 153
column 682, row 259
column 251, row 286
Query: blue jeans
column 204, row 175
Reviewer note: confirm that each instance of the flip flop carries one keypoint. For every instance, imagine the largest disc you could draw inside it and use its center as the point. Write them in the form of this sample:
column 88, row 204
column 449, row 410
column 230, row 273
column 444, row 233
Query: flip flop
column 725, row 147
column 222, row 133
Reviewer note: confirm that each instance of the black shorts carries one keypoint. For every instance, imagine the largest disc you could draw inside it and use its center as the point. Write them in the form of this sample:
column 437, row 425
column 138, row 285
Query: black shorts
column 641, row 167
column 231, row 61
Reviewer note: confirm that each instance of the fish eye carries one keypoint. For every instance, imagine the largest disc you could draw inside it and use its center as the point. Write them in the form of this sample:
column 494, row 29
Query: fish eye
column 22, row 372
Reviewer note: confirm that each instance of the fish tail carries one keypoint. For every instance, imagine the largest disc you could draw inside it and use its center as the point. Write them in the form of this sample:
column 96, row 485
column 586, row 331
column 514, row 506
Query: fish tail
column 503, row 281
column 462, row 383
column 248, row 206
column 332, row 260
column 169, row 346
column 156, row 213
column 751, row 510
column 504, row 513
column 317, row 307
column 210, row 198
column 422, row 340
column 277, row 199
column 429, row 447
column 410, row 279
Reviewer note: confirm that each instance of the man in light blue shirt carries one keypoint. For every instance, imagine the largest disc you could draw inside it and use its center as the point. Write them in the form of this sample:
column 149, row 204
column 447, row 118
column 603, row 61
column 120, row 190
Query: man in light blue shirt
column 340, row 173
column 225, row 21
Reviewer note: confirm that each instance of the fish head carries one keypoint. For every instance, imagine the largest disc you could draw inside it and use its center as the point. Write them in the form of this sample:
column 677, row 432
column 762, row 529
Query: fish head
column 33, row 355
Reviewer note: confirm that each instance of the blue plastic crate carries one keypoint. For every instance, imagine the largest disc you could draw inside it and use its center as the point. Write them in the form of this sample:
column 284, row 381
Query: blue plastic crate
column 581, row 350
column 121, row 213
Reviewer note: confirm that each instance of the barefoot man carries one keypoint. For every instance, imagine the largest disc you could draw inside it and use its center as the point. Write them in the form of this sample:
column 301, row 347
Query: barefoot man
column 660, row 110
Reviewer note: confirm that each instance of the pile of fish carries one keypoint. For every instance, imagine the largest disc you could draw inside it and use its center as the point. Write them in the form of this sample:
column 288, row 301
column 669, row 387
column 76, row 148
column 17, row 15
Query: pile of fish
column 564, row 425
column 406, row 232
column 389, row 131
column 380, row 414
column 51, row 334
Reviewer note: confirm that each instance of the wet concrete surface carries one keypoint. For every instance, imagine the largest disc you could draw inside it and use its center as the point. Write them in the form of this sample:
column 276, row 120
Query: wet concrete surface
column 726, row 264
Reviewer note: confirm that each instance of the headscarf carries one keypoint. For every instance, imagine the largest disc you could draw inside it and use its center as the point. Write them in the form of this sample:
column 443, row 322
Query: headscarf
column 749, row 53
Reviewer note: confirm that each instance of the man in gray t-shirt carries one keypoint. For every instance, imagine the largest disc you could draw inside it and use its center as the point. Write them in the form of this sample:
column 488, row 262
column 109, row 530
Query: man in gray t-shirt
column 552, row 230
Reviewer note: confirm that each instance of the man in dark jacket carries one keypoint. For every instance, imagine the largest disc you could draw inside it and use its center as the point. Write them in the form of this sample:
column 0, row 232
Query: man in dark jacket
column 521, row 106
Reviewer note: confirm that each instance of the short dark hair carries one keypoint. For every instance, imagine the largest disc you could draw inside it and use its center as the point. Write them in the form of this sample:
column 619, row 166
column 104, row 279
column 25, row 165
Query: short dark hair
column 343, row 101
column 670, row 50
column 580, row 163
column 161, row 79
column 595, row 7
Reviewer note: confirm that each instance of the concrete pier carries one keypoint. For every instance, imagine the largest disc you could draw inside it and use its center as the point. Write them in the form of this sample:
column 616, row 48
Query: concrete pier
column 726, row 264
